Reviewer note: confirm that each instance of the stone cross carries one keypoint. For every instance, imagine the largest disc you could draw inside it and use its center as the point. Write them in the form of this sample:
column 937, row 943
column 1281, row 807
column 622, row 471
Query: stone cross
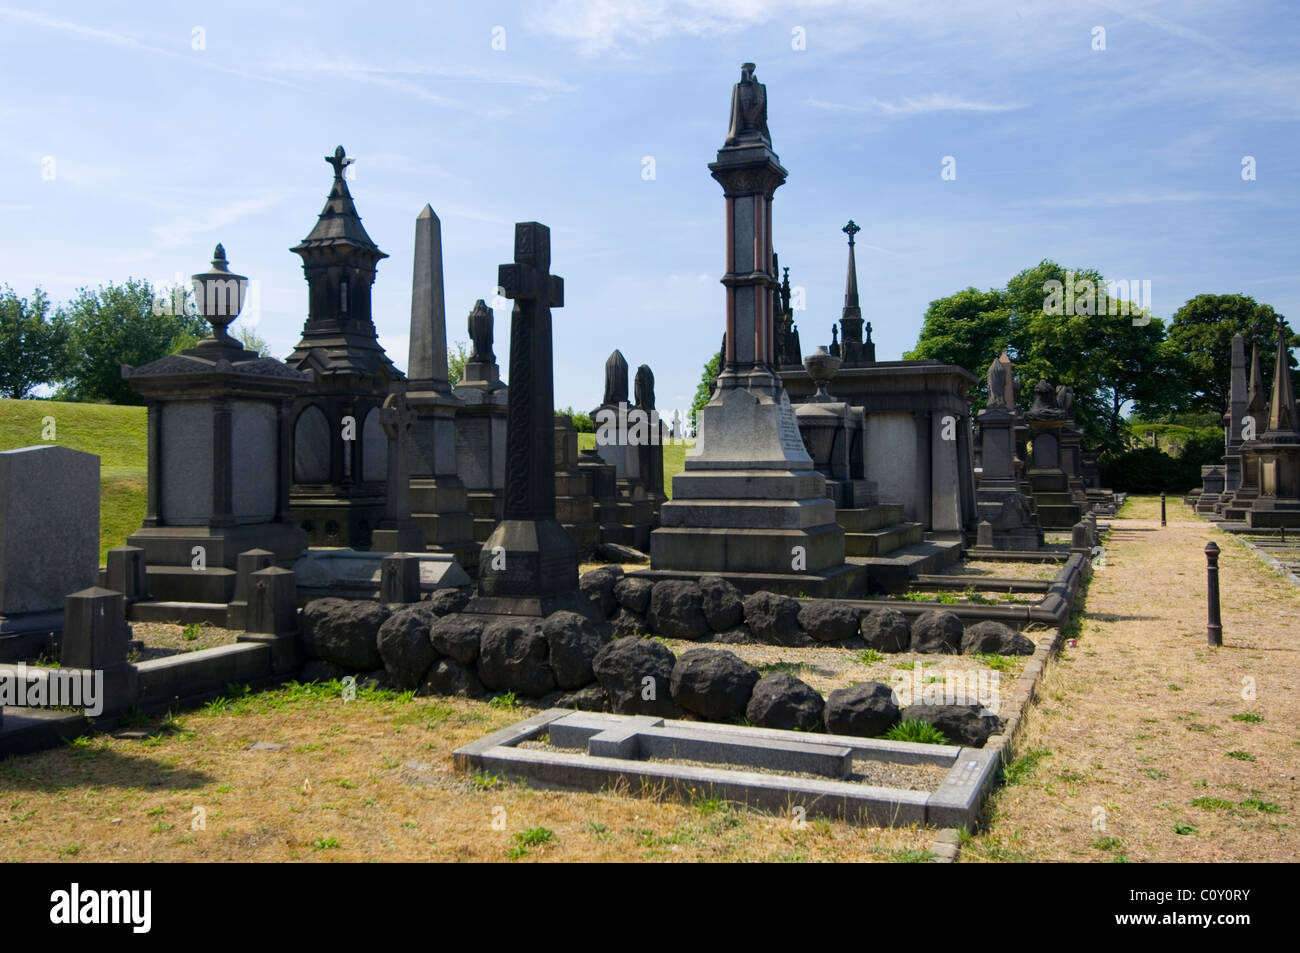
column 530, row 438
column 396, row 417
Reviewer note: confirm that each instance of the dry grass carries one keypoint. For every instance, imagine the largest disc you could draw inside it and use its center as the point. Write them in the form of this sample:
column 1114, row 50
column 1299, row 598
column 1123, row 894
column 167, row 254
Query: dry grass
column 366, row 780
column 1144, row 744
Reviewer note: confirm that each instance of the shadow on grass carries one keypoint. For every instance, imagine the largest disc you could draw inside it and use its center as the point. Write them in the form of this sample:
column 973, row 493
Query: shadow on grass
column 76, row 767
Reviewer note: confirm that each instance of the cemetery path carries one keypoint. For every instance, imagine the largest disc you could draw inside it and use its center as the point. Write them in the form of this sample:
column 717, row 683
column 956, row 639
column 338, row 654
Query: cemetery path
column 1145, row 744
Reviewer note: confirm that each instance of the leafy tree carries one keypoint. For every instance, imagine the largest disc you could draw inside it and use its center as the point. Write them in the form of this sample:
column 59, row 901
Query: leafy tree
column 123, row 324
column 712, row 367
column 1200, row 337
column 32, row 342
column 252, row 341
column 968, row 329
column 457, row 355
column 581, row 422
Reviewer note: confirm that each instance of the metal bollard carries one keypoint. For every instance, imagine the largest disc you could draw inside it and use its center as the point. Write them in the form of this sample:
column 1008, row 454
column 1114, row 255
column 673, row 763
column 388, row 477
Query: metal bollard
column 1214, row 627
column 1162, row 507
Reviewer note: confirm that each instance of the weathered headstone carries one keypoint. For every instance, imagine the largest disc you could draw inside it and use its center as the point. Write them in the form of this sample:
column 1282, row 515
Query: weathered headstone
column 49, row 541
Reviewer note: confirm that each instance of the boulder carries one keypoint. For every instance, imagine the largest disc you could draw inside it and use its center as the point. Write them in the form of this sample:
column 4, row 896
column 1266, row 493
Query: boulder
column 598, row 586
column 713, row 683
column 936, row 632
column 783, row 701
column 512, row 657
column 623, row 667
column 968, row 725
column 591, row 698
column 886, row 630
column 868, row 709
column 625, row 623
column 574, row 641
column 774, row 619
column 736, row 635
column 724, row 606
column 457, row 636
column 677, row 611
column 828, row 621
column 995, row 638
column 344, row 631
column 404, row 646
column 449, row 677
column 447, row 601
column 634, row 594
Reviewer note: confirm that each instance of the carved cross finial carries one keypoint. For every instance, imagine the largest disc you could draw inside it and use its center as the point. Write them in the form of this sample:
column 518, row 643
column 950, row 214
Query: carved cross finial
column 340, row 161
column 851, row 229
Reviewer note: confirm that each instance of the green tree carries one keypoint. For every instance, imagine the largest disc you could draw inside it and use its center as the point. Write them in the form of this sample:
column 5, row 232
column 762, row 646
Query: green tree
column 123, row 324
column 32, row 341
column 581, row 422
column 968, row 329
column 1200, row 336
column 712, row 367
column 252, row 341
column 457, row 355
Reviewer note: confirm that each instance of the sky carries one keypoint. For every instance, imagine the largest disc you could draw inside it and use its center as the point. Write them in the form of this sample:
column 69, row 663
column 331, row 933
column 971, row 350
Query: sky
column 1115, row 136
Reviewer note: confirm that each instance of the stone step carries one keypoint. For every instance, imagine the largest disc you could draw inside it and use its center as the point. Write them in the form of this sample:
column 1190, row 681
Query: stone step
column 868, row 518
column 883, row 541
column 180, row 613
column 894, row 572
column 185, row 584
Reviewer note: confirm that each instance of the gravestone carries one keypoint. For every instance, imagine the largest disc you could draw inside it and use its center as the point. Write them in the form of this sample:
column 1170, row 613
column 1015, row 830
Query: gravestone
column 619, row 430
column 1256, row 410
column 650, row 453
column 749, row 502
column 575, row 506
column 49, row 541
column 529, row 565
column 439, row 504
column 481, row 427
column 1278, row 449
column 1006, row 521
column 96, row 637
column 1055, row 505
column 398, row 532
column 1233, row 416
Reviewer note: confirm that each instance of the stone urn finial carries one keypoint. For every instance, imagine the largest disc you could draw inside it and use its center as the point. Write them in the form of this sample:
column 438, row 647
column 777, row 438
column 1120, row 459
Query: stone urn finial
column 821, row 367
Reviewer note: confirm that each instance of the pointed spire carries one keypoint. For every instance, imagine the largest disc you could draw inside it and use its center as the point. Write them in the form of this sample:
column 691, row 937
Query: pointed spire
column 1255, row 392
column 851, row 307
column 427, row 365
column 1282, row 409
column 339, row 222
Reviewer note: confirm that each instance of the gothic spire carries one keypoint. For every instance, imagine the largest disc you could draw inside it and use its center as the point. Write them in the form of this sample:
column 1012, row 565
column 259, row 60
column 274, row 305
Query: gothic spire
column 339, row 223
column 1282, row 409
column 851, row 307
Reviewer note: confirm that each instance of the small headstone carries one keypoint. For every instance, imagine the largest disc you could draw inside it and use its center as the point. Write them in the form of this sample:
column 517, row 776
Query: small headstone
column 400, row 579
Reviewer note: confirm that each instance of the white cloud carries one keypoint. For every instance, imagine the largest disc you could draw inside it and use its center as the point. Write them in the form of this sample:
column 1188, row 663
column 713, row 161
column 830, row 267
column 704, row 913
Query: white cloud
column 916, row 105
column 191, row 228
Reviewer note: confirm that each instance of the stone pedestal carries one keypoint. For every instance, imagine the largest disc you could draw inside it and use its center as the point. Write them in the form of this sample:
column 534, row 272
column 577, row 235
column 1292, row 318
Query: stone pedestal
column 575, row 506
column 481, row 427
column 1006, row 522
column 246, row 564
column 96, row 638
column 49, row 541
column 220, row 465
column 272, row 617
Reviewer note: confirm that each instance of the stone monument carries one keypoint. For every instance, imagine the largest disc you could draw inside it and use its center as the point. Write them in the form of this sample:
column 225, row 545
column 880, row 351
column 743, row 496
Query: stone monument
column 1278, row 449
column 220, row 461
column 481, row 426
column 529, row 565
column 439, row 503
column 1256, row 413
column 339, row 462
column 1005, row 520
column 1233, row 416
column 749, row 505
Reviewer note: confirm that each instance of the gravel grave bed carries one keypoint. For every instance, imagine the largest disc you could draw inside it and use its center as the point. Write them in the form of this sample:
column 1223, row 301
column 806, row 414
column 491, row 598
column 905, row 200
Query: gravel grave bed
column 162, row 639
column 885, row 774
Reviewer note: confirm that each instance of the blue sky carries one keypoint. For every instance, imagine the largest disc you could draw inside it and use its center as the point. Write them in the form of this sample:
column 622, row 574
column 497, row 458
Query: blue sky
column 1127, row 159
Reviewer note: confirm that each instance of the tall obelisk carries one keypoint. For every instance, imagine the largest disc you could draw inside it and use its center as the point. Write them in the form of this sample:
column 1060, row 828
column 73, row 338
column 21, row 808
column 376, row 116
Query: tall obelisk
column 439, row 504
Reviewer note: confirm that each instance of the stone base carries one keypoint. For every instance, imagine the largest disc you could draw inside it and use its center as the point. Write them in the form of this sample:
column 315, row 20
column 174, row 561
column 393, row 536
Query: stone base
column 349, row 574
column 528, row 559
column 173, row 545
column 28, row 635
column 330, row 520
column 536, row 607
column 1273, row 514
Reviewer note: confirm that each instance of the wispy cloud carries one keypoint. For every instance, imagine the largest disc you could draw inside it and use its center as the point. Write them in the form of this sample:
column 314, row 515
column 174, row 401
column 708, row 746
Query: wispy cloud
column 1121, row 199
column 916, row 105
column 314, row 64
column 190, row 228
column 130, row 42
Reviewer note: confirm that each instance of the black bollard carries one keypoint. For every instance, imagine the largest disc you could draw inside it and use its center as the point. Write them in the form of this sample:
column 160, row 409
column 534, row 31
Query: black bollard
column 1162, row 507
column 1214, row 627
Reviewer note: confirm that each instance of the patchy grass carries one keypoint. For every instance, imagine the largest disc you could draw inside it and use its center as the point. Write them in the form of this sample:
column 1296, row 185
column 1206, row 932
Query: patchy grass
column 1183, row 752
column 367, row 780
